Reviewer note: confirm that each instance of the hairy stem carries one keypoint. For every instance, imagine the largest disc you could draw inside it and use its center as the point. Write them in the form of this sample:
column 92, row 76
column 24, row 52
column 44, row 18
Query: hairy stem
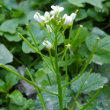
column 58, row 76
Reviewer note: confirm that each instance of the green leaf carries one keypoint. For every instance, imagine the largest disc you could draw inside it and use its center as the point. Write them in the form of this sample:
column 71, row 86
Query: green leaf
column 52, row 101
column 94, row 82
column 99, row 32
column 11, row 80
column 29, row 104
column 102, row 101
column 9, row 26
column 41, row 77
column 12, row 37
column 38, row 34
column 82, row 36
column 80, row 3
column 16, row 98
column 18, row 102
column 2, row 86
column 5, row 55
column 102, row 54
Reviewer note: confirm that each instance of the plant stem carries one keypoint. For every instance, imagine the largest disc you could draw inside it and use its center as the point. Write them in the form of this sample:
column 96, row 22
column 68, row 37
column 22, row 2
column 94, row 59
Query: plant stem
column 33, row 38
column 87, row 63
column 70, row 32
column 42, row 56
column 50, row 55
column 58, row 76
column 39, row 94
column 62, row 58
column 92, row 99
column 17, row 74
column 77, row 34
column 66, row 71
column 78, row 93
column 48, row 34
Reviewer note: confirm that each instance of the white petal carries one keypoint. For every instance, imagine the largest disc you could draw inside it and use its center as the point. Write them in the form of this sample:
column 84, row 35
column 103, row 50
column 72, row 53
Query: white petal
column 61, row 9
column 64, row 16
column 37, row 17
column 53, row 7
column 52, row 12
column 43, row 18
column 73, row 15
column 68, row 20
column 47, row 14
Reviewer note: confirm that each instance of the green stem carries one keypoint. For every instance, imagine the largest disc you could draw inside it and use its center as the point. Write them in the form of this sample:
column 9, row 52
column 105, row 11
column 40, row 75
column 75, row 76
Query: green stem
column 92, row 99
column 17, row 74
column 66, row 71
column 49, row 80
column 78, row 93
column 70, row 32
column 77, row 34
column 48, row 34
column 33, row 38
column 61, row 52
column 29, row 74
column 58, row 76
column 37, row 90
column 42, row 56
column 87, row 63
column 62, row 58
column 50, row 55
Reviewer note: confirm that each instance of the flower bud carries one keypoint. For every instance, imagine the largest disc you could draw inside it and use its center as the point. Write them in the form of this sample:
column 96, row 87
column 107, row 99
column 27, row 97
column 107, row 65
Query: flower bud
column 68, row 46
column 68, row 20
column 38, row 17
column 47, row 44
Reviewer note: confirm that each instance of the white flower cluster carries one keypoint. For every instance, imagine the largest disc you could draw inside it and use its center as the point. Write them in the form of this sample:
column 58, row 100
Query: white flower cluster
column 55, row 12
column 54, row 15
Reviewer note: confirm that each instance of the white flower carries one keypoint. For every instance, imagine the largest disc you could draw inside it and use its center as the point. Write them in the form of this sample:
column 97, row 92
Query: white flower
column 56, row 9
column 73, row 15
column 47, row 17
column 68, row 46
column 38, row 17
column 68, row 20
column 47, row 44
column 49, row 28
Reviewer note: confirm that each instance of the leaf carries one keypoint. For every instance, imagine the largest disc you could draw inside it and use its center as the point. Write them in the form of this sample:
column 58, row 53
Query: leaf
column 80, row 3
column 16, row 98
column 94, row 82
column 95, row 15
column 2, row 86
column 102, row 101
column 51, row 101
column 12, row 37
column 26, row 48
column 99, row 32
column 42, row 78
column 5, row 55
column 11, row 80
column 82, row 36
column 102, row 54
column 9, row 26
column 38, row 34
column 43, row 2
column 18, row 102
